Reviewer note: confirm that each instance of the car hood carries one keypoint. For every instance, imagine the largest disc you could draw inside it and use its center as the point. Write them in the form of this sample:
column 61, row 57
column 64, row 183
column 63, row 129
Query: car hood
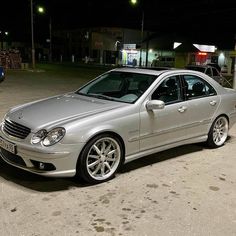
column 59, row 110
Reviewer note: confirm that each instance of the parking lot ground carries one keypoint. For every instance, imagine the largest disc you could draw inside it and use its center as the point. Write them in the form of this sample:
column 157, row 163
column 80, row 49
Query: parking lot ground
column 189, row 190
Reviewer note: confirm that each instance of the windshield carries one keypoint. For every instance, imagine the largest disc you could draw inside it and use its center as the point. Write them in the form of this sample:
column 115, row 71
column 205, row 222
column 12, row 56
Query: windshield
column 118, row 86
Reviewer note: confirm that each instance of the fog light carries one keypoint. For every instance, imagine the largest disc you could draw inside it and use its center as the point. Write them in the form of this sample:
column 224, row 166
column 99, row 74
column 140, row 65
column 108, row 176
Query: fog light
column 41, row 166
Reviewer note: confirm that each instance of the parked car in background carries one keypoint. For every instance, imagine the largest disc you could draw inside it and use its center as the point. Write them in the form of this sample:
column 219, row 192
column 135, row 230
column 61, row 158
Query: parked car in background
column 2, row 74
column 214, row 65
column 120, row 116
column 208, row 70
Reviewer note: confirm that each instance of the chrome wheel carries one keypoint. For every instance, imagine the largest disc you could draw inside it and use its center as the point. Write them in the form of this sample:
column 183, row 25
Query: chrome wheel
column 220, row 131
column 103, row 158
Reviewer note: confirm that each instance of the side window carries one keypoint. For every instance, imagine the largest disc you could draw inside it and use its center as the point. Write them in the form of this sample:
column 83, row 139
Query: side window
column 196, row 87
column 168, row 91
column 208, row 72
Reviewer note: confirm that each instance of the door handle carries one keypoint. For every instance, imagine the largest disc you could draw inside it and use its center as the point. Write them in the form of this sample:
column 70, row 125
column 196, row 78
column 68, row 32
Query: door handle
column 213, row 103
column 182, row 109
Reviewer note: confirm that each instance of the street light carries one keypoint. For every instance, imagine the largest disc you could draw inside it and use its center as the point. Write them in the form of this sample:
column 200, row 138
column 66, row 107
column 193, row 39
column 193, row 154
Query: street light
column 133, row 2
column 41, row 10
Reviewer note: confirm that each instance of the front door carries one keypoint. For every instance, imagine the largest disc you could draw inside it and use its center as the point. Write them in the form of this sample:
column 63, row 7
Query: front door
column 164, row 126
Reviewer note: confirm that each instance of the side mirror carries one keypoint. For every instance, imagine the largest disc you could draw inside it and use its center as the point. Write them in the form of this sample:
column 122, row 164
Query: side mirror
column 155, row 105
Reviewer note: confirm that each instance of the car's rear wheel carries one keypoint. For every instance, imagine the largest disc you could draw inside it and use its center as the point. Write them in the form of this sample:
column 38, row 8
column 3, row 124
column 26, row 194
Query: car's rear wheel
column 100, row 158
column 218, row 132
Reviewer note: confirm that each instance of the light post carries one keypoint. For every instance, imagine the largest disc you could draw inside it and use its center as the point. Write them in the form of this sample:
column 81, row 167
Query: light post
column 32, row 35
column 134, row 3
column 141, row 44
column 50, row 38
column 41, row 10
column 6, row 33
column 3, row 34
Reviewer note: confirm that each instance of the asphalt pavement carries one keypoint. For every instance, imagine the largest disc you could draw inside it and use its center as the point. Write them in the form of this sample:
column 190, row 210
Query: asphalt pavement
column 189, row 190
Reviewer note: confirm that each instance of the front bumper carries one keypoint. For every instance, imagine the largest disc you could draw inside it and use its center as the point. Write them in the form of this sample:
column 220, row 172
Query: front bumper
column 60, row 160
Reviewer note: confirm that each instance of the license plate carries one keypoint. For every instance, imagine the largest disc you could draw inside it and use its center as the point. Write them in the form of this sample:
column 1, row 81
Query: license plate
column 10, row 147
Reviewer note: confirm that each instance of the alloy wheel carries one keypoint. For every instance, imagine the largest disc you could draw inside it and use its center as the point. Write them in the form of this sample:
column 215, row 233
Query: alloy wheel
column 220, row 131
column 103, row 158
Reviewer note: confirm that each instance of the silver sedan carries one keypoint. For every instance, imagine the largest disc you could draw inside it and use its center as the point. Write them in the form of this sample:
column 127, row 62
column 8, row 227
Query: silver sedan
column 120, row 116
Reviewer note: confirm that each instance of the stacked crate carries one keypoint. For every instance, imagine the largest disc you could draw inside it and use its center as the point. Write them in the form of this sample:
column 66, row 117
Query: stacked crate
column 4, row 59
column 10, row 59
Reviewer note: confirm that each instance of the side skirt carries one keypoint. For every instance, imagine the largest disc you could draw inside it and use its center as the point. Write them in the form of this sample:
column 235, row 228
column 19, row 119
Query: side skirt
column 164, row 147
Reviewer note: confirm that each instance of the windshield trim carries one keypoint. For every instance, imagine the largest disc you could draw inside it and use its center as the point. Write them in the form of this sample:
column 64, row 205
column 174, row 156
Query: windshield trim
column 102, row 97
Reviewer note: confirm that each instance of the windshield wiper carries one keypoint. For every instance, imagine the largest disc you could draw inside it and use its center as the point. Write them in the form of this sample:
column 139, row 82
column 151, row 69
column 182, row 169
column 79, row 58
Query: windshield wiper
column 101, row 96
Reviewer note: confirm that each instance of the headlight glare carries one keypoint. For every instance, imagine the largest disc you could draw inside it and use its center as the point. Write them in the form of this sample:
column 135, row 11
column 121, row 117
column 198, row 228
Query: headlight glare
column 39, row 136
column 54, row 136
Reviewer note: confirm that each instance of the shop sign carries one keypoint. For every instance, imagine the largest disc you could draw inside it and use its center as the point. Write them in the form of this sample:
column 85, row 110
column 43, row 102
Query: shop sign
column 130, row 46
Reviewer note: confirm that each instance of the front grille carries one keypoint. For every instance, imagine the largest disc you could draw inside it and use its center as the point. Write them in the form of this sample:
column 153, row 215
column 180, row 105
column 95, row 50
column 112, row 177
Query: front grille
column 16, row 130
column 14, row 159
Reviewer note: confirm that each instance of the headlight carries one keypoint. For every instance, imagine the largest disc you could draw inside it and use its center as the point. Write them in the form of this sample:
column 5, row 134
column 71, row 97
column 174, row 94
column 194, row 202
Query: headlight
column 48, row 138
column 54, row 136
column 39, row 136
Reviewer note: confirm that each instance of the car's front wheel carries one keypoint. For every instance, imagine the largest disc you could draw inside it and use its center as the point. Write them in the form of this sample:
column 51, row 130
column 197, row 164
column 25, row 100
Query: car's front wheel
column 218, row 132
column 100, row 158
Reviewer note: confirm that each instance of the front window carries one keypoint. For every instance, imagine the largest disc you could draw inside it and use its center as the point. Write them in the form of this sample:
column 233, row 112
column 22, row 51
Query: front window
column 168, row 91
column 118, row 86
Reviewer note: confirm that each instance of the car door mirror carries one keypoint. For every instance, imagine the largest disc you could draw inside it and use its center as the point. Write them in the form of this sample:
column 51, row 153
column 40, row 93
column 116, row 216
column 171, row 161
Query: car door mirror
column 155, row 105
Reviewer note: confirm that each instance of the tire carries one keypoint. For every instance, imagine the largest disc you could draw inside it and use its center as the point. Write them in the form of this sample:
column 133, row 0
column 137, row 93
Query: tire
column 100, row 159
column 218, row 132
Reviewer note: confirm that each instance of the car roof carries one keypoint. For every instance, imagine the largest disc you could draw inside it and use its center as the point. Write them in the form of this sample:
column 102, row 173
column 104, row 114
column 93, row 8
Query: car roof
column 169, row 72
column 140, row 70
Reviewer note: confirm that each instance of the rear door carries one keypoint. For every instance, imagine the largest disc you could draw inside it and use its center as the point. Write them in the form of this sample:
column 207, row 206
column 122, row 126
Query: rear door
column 202, row 103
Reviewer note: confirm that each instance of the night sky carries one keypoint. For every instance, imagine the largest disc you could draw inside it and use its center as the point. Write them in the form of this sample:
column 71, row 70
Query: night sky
column 193, row 17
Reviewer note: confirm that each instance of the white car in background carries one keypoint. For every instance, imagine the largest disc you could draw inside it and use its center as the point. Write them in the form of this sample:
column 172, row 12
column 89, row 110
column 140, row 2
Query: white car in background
column 208, row 70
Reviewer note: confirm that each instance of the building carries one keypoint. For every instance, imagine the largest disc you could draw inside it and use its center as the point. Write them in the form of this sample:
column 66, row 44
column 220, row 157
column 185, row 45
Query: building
column 121, row 46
